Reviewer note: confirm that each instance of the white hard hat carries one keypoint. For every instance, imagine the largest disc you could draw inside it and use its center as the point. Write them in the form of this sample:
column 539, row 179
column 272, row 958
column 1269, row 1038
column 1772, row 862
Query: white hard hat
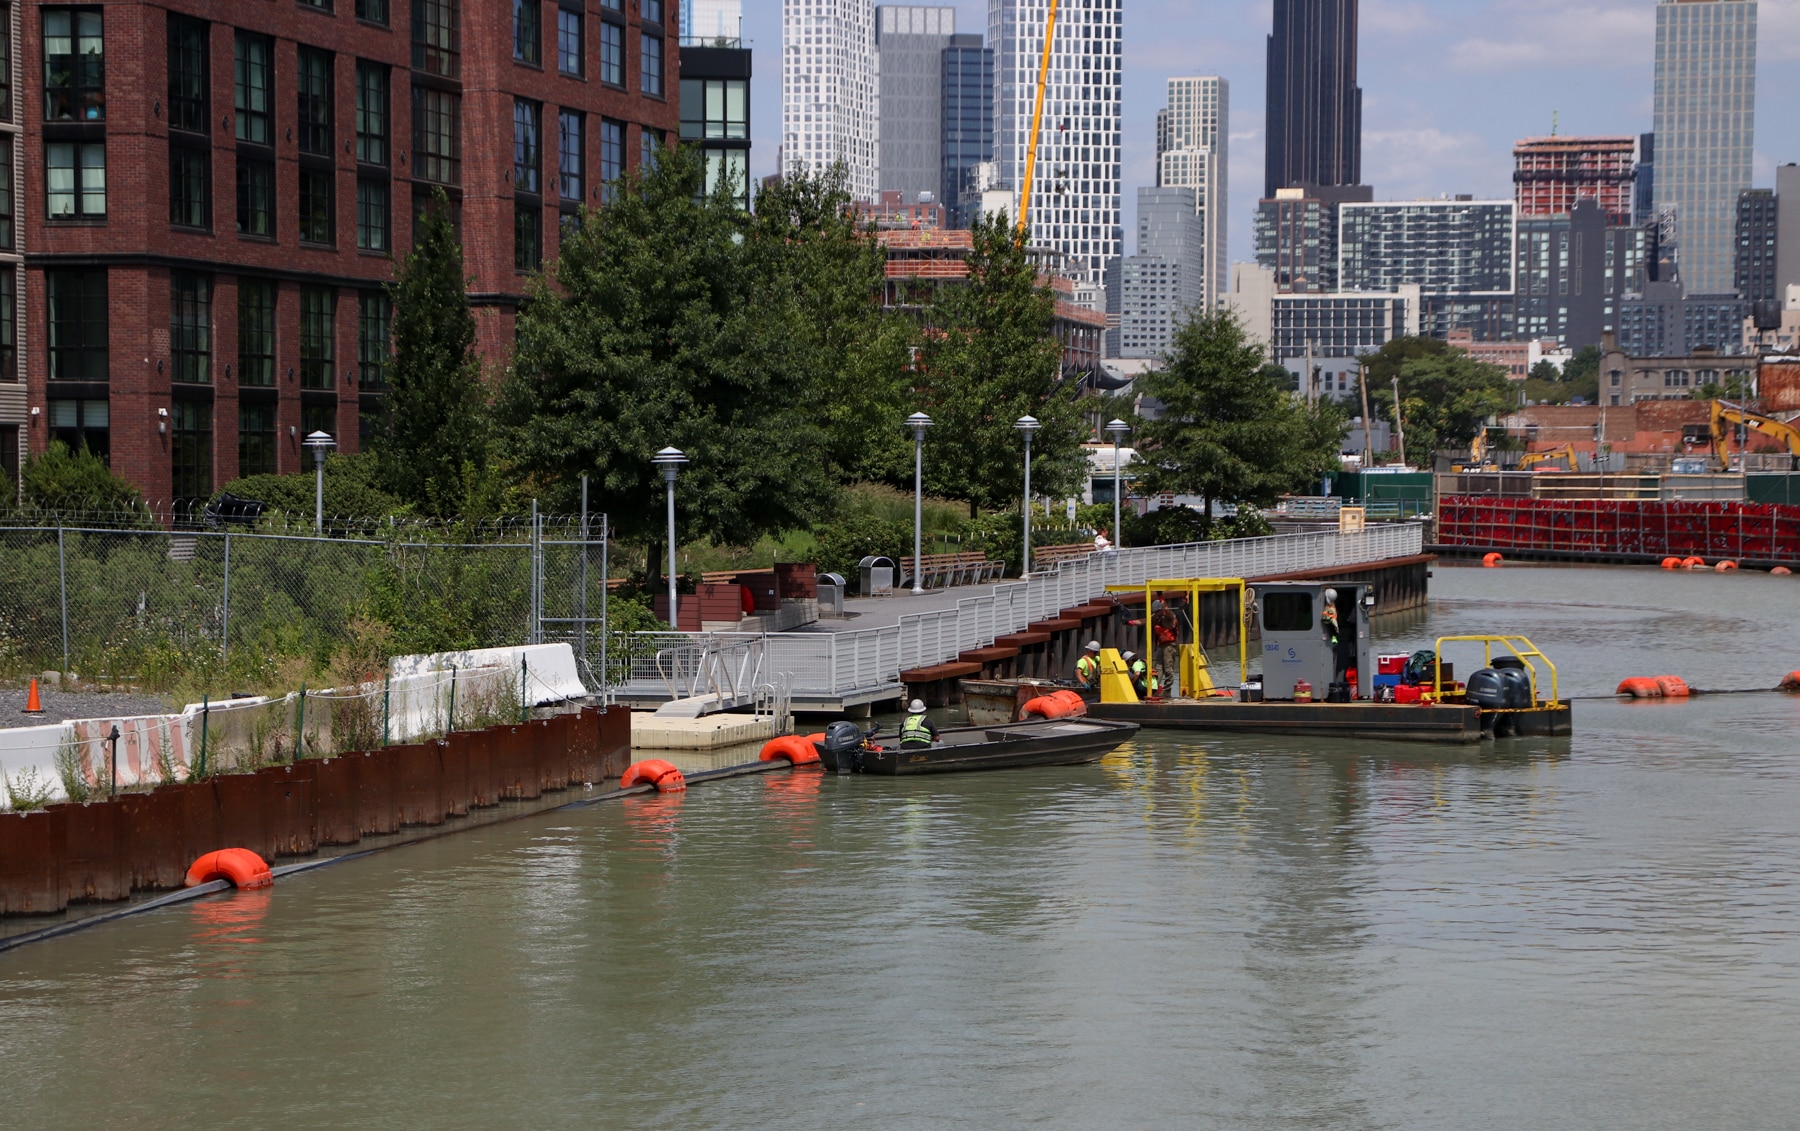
column 917, row 708
column 1129, row 656
column 1331, row 594
column 1093, row 646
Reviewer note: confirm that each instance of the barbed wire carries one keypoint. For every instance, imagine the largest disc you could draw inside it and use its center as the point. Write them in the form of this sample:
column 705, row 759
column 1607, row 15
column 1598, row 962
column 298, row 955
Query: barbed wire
column 186, row 517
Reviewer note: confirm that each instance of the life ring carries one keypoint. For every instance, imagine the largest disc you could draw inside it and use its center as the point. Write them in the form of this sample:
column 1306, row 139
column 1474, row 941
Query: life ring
column 1671, row 563
column 796, row 750
column 1693, row 563
column 1492, row 561
column 1056, row 705
column 1725, row 567
column 654, row 772
column 245, row 869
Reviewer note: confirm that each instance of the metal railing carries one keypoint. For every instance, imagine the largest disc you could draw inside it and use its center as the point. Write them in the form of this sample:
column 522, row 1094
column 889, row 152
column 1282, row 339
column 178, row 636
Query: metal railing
column 834, row 665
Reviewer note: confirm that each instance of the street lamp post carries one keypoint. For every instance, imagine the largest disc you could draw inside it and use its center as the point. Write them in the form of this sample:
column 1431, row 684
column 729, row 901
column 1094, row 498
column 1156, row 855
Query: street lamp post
column 1027, row 425
column 918, row 422
column 671, row 460
column 320, row 443
column 1118, row 429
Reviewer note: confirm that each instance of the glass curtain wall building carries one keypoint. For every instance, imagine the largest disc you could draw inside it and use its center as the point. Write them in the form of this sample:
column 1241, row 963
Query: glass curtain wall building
column 1705, row 118
column 1314, row 109
column 968, row 85
column 909, row 69
column 1192, row 136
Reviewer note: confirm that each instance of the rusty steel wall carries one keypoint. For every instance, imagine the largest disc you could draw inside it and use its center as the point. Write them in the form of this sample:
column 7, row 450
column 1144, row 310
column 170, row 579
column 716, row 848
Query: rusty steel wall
column 102, row 851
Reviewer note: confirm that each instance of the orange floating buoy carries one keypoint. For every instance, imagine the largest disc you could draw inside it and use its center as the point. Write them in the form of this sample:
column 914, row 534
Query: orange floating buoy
column 654, row 772
column 1492, row 561
column 1792, row 682
column 1693, row 563
column 1056, row 705
column 1639, row 688
column 797, row 751
column 1725, row 567
column 1673, row 687
column 1671, row 563
column 1781, row 571
column 245, row 869
column 33, row 705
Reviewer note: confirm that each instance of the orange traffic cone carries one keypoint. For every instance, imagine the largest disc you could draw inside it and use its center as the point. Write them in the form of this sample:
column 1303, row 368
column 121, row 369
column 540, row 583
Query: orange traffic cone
column 33, row 706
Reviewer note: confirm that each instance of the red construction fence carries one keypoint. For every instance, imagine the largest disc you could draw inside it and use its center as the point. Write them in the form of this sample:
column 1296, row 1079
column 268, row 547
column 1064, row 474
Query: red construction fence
column 105, row 850
column 1749, row 532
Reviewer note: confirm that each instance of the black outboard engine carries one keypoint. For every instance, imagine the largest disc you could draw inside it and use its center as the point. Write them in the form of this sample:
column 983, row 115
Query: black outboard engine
column 1500, row 688
column 843, row 746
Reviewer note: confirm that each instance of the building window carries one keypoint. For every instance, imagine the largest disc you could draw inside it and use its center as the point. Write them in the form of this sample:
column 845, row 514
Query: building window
column 82, row 426
column 728, row 165
column 75, row 175
column 316, row 188
column 649, row 142
column 528, row 236
column 613, row 5
column 568, row 42
column 318, row 418
column 528, row 34
column 322, row 5
column 256, row 332
column 612, row 53
column 254, row 87
column 74, row 65
column 190, row 328
column 715, row 109
column 526, row 163
column 6, row 54
column 436, row 131
column 651, row 59
column 372, row 211
column 569, row 179
column 256, row 438
column 436, row 43
column 313, row 86
column 190, row 178
column 187, row 75
column 371, row 113
column 372, row 350
column 375, row 11
column 7, row 209
column 256, row 197
column 612, row 157
column 190, row 449
column 76, row 302
column 316, row 310
column 9, row 324
column 652, row 11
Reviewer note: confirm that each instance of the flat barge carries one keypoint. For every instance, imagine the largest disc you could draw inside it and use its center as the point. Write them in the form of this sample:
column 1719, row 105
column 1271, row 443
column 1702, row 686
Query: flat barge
column 1447, row 723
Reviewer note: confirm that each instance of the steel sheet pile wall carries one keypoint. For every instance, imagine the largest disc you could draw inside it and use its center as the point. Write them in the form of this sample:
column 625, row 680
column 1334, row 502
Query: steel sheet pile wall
column 1623, row 528
column 105, row 850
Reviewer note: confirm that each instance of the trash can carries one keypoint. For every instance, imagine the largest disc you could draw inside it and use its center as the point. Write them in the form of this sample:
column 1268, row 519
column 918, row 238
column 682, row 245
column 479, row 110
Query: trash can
column 831, row 595
column 877, row 576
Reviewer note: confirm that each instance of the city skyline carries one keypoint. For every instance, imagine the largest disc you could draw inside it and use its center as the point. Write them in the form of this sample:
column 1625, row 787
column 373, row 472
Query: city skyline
column 1422, row 138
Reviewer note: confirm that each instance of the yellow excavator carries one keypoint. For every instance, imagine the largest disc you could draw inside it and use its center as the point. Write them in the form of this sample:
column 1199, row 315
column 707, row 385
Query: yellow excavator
column 1566, row 452
column 1728, row 418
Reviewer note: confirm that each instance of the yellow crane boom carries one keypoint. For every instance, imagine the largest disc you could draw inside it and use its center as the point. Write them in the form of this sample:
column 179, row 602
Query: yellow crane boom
column 1726, row 415
column 1037, row 122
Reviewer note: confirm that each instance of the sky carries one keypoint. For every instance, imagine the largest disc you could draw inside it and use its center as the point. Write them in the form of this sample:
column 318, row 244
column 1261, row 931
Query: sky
column 1448, row 86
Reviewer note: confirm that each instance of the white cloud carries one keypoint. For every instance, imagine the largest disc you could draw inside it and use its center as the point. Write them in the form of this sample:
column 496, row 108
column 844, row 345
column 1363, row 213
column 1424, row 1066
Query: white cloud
column 1532, row 33
column 1778, row 31
column 1396, row 17
column 1428, row 162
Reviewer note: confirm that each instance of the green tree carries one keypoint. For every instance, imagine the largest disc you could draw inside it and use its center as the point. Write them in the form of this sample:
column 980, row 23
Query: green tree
column 988, row 359
column 1230, row 430
column 432, row 438
column 1582, row 375
column 62, row 479
column 353, row 489
column 659, row 325
column 1446, row 395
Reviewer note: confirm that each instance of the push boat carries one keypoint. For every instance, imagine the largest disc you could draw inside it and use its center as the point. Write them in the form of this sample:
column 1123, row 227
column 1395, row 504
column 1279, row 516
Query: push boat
column 1411, row 698
column 1010, row 745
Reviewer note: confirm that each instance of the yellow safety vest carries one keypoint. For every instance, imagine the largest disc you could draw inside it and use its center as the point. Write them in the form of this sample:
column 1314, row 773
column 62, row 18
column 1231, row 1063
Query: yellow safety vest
column 1088, row 669
column 916, row 731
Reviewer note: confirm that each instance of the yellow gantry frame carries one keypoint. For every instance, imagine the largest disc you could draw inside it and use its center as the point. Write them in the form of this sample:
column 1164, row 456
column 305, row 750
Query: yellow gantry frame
column 1519, row 646
column 1192, row 588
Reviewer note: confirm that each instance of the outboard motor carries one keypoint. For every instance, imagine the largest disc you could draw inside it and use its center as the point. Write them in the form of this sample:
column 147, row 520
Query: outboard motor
column 1500, row 688
column 843, row 744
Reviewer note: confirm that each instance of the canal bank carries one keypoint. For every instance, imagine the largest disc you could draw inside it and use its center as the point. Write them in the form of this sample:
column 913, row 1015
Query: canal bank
column 1229, row 933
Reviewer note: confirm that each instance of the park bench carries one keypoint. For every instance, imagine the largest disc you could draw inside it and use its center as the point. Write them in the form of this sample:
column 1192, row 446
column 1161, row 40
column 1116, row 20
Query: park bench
column 1045, row 559
column 938, row 571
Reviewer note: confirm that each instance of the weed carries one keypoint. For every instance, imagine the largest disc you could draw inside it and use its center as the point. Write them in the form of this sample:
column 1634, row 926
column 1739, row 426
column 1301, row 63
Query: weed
column 71, row 768
column 26, row 790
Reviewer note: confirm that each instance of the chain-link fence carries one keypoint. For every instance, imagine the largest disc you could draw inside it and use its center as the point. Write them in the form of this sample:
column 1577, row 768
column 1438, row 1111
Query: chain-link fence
column 138, row 605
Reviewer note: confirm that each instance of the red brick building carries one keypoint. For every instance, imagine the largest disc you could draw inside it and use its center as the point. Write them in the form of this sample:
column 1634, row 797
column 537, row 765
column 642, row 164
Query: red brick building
column 211, row 195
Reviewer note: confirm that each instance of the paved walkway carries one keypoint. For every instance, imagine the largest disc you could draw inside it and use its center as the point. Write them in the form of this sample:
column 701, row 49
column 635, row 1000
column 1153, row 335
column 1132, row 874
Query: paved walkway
column 881, row 612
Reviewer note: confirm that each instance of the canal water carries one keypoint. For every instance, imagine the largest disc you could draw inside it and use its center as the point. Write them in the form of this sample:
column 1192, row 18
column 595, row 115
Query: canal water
column 1198, row 932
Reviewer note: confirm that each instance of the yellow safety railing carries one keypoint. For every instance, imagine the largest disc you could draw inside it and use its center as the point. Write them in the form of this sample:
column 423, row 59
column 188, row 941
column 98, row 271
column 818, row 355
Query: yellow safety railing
column 1525, row 654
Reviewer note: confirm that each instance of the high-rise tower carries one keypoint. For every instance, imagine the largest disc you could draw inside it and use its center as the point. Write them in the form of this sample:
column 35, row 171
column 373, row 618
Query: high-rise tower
column 828, row 89
column 1075, row 207
column 1192, row 136
column 1314, row 127
column 1705, row 128
column 909, row 81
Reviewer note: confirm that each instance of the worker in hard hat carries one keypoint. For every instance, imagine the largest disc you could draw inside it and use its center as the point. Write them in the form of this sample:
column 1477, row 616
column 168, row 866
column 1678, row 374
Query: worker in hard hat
column 917, row 732
column 1087, row 669
column 1334, row 636
column 1143, row 680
